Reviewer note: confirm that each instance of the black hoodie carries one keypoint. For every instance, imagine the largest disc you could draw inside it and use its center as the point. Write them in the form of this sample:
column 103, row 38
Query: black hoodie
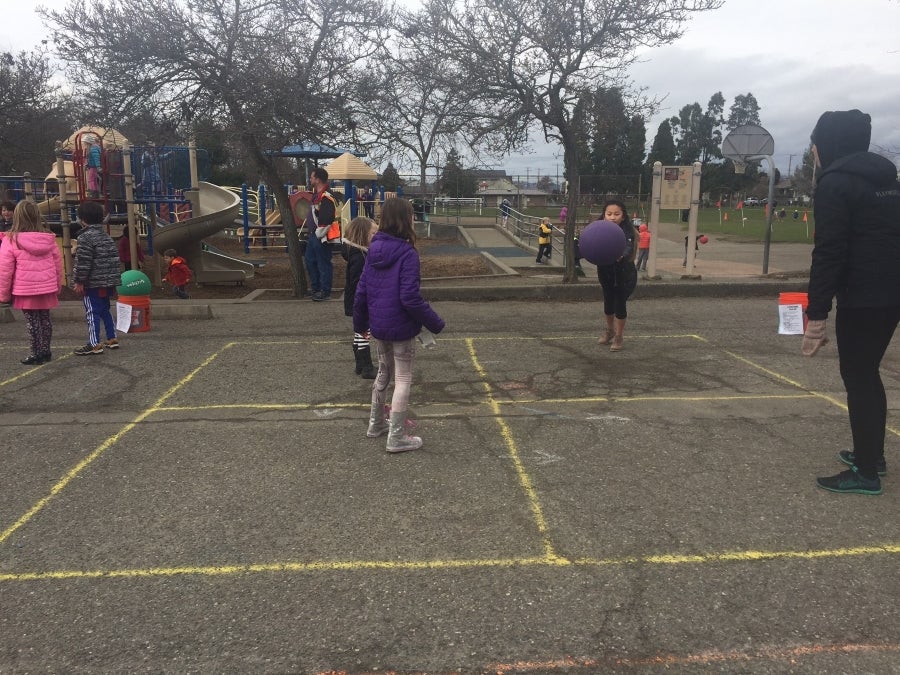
column 856, row 257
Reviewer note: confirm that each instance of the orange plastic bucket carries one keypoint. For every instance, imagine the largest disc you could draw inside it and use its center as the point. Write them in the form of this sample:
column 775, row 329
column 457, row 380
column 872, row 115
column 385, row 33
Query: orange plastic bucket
column 140, row 312
column 801, row 299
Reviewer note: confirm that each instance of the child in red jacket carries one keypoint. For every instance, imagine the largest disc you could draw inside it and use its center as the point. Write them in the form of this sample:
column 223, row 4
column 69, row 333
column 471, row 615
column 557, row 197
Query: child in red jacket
column 178, row 274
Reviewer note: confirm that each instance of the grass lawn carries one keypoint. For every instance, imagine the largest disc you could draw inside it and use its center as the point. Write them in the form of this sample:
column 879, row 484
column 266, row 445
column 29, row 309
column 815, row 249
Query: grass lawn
column 749, row 224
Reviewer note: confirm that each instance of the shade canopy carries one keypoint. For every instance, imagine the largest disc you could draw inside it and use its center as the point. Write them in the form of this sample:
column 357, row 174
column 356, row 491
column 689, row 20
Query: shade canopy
column 350, row 167
column 110, row 137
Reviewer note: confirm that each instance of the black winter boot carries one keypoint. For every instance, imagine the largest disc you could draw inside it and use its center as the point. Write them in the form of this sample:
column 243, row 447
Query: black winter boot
column 368, row 370
column 356, row 357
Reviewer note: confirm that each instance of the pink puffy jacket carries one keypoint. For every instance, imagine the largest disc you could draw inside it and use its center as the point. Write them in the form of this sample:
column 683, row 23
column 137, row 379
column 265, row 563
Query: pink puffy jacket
column 30, row 264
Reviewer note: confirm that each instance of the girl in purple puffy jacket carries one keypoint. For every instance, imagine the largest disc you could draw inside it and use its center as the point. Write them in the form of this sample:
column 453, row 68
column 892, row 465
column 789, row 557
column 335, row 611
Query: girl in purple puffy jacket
column 389, row 304
column 31, row 276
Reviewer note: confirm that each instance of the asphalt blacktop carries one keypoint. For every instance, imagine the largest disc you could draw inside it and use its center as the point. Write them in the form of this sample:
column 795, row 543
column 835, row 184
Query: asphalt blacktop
column 205, row 499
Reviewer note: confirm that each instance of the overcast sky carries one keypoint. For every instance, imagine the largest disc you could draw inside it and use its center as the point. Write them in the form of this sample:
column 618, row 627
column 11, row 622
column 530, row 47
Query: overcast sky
column 797, row 57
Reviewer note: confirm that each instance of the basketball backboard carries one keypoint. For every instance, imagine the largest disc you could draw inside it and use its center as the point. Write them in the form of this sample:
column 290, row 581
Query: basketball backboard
column 748, row 142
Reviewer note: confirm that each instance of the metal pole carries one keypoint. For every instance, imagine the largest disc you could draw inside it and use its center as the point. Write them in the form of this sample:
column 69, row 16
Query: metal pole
column 770, row 211
column 654, row 217
column 64, row 213
column 692, row 217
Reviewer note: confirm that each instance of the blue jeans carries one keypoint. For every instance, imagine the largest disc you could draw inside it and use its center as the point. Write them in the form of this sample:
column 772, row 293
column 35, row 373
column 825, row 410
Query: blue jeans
column 319, row 265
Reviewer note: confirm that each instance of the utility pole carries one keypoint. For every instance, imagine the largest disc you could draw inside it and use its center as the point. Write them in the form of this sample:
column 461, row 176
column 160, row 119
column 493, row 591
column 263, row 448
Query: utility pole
column 790, row 161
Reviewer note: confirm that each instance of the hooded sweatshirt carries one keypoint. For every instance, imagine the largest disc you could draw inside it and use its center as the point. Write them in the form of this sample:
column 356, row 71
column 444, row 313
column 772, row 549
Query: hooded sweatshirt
column 30, row 264
column 388, row 301
column 856, row 257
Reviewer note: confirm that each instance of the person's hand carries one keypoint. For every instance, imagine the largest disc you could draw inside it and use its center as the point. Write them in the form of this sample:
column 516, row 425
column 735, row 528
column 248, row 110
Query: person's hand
column 79, row 288
column 814, row 338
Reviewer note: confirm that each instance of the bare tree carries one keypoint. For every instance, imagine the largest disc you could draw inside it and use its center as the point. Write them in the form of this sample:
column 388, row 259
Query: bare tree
column 269, row 71
column 33, row 113
column 530, row 60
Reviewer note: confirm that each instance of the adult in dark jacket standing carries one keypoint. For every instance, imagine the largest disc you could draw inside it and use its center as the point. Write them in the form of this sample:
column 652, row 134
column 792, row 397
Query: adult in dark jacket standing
column 388, row 303
column 856, row 259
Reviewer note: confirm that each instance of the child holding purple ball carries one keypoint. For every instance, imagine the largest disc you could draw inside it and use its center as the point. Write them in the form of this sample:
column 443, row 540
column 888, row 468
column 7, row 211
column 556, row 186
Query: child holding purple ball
column 618, row 279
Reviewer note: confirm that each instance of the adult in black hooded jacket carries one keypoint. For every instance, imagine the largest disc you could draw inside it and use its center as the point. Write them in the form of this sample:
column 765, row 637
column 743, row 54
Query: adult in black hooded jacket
column 856, row 259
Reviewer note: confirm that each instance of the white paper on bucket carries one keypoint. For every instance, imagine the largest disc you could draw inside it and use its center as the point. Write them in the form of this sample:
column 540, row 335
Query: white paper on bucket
column 123, row 317
column 790, row 319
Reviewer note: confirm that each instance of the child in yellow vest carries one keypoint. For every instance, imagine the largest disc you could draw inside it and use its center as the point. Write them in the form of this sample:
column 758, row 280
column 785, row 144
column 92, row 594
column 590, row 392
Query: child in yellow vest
column 545, row 248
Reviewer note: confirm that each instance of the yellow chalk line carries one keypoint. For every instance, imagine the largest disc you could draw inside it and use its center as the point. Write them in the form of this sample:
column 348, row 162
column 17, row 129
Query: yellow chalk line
column 550, row 560
column 645, row 399
column 782, row 378
column 103, row 447
column 524, row 479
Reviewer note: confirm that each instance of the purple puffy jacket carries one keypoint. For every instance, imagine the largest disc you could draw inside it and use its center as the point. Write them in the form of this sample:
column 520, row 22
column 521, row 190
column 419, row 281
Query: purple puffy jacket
column 388, row 301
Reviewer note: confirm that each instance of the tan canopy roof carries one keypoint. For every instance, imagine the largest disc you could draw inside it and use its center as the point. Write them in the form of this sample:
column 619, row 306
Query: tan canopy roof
column 350, row 167
column 110, row 137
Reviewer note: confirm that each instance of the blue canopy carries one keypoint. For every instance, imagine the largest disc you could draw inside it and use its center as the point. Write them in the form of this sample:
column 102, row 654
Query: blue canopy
column 313, row 151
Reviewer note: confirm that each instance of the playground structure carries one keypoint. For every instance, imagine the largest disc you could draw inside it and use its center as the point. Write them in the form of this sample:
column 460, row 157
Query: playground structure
column 156, row 193
column 164, row 203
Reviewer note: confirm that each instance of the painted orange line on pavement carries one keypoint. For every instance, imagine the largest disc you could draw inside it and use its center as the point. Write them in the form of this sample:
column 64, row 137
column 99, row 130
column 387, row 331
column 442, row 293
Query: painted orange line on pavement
column 706, row 657
column 103, row 447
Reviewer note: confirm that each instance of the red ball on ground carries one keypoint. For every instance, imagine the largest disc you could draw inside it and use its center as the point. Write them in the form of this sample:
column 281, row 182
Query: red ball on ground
column 703, row 239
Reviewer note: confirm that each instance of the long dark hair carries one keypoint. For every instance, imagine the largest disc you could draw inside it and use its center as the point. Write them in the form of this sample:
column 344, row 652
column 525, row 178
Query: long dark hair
column 397, row 219
column 626, row 224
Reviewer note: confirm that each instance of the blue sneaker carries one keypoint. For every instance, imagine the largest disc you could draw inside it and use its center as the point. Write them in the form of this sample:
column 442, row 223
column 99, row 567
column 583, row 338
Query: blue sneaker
column 849, row 458
column 851, row 481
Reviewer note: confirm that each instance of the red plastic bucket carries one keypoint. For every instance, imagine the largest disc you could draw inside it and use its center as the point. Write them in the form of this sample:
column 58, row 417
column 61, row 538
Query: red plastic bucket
column 801, row 299
column 140, row 312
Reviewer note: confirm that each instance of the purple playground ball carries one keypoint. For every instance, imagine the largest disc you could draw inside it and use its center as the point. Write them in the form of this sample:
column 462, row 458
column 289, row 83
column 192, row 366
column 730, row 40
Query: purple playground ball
column 602, row 242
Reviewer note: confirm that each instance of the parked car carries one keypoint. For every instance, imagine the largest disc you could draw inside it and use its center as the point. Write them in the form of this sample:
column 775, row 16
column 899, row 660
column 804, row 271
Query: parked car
column 752, row 201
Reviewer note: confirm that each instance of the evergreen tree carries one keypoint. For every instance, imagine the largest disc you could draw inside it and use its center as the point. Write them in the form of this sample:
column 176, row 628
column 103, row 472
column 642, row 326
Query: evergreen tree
column 456, row 181
column 744, row 110
column 663, row 148
column 390, row 179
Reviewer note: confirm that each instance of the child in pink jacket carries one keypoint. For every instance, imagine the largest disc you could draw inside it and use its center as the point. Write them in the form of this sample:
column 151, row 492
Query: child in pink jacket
column 31, row 276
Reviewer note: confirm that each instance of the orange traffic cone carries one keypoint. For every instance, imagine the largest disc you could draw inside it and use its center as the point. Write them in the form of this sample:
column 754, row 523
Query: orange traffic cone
column 805, row 219
column 726, row 216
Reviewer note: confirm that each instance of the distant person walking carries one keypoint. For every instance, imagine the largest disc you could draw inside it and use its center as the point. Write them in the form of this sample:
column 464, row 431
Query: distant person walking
column 545, row 239
column 855, row 259
column 504, row 211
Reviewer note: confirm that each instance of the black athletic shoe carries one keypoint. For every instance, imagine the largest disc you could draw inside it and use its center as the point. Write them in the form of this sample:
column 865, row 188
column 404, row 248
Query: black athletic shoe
column 851, row 481
column 90, row 350
column 849, row 458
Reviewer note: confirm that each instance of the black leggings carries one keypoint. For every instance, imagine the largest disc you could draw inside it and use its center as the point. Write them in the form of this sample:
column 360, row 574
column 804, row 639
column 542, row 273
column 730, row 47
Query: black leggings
column 863, row 336
column 617, row 281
